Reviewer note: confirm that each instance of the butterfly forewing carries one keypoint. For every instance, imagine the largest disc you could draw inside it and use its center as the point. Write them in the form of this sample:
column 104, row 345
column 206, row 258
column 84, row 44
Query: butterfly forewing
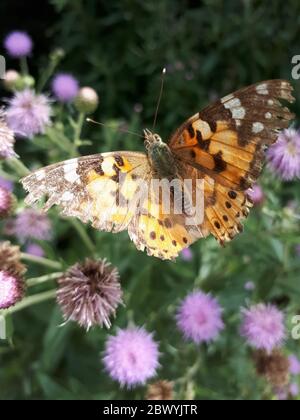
column 226, row 143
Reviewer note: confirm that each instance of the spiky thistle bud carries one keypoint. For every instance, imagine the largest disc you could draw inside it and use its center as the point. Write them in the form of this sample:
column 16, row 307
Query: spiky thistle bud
column 273, row 366
column 10, row 259
column 160, row 390
column 89, row 293
column 7, row 203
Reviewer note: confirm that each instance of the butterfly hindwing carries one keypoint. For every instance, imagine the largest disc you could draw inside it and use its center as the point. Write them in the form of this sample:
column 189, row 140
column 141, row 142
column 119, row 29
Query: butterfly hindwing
column 160, row 232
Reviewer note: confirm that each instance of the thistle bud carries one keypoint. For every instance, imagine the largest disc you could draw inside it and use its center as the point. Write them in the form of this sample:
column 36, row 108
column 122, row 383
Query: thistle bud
column 87, row 100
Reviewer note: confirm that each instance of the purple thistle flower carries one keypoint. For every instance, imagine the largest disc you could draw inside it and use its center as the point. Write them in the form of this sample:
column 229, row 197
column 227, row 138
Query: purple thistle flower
column 30, row 224
column 6, row 203
column 256, row 194
column 297, row 250
column 249, row 285
column 65, row 87
column 131, row 357
column 187, row 254
column 7, row 139
column 90, row 293
column 263, row 326
column 28, row 114
column 284, row 155
column 35, row 249
column 11, row 289
column 294, row 365
column 18, row 44
column 199, row 317
column 6, row 184
column 294, row 389
column 281, row 394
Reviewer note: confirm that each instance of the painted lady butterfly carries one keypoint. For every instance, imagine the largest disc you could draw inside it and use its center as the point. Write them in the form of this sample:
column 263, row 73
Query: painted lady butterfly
column 223, row 146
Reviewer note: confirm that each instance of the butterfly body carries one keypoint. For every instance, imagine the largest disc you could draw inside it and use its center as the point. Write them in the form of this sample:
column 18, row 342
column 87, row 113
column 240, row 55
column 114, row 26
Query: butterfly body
column 220, row 148
column 161, row 158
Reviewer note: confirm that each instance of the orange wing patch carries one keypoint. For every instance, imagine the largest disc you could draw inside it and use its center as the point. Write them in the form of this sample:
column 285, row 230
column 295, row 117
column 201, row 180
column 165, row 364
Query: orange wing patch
column 223, row 215
column 163, row 237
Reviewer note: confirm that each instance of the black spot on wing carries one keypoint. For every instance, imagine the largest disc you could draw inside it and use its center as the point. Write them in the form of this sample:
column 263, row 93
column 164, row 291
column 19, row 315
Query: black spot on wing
column 220, row 164
column 203, row 144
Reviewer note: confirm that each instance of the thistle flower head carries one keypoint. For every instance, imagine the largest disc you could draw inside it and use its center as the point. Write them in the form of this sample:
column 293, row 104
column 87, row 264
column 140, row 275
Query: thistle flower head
column 11, row 289
column 89, row 293
column 160, row 390
column 131, row 357
column 10, row 259
column 199, row 317
column 30, row 224
column 34, row 249
column 187, row 254
column 6, row 203
column 28, row 113
column 263, row 326
column 256, row 194
column 294, row 365
column 294, row 389
column 273, row 366
column 65, row 87
column 249, row 285
column 284, row 155
column 7, row 139
column 18, row 44
column 6, row 184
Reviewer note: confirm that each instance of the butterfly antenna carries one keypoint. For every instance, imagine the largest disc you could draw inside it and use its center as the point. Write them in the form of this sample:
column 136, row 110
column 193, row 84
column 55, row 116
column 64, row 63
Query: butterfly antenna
column 120, row 129
column 159, row 97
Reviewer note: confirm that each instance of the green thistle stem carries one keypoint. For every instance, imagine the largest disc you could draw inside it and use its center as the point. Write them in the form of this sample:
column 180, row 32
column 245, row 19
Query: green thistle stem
column 55, row 58
column 77, row 131
column 34, row 281
column 42, row 261
column 83, row 234
column 9, row 176
column 24, row 66
column 18, row 166
column 31, row 300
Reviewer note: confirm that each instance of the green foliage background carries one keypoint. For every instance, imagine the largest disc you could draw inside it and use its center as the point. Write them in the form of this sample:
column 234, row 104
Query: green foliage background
column 119, row 48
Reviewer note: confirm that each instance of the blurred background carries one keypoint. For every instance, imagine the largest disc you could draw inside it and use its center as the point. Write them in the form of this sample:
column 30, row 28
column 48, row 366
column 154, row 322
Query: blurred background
column 210, row 48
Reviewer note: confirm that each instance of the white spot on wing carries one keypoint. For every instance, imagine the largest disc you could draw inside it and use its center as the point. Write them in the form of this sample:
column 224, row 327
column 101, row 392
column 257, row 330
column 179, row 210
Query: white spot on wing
column 40, row 175
column 257, row 127
column 268, row 115
column 70, row 171
column 107, row 167
column 234, row 105
column 262, row 89
column 238, row 113
column 67, row 196
column 234, row 102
